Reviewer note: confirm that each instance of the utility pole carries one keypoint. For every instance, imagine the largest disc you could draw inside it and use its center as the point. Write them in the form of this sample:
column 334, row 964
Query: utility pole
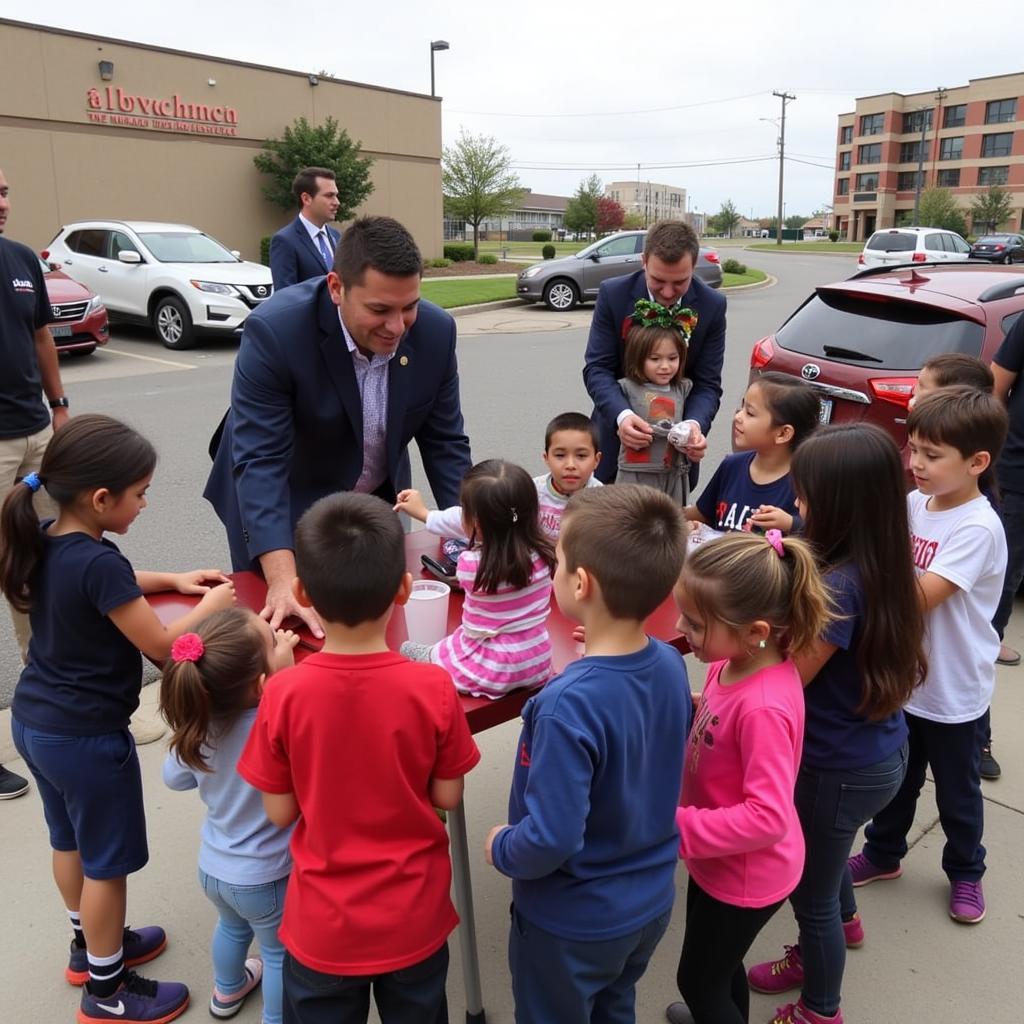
column 785, row 97
column 939, row 97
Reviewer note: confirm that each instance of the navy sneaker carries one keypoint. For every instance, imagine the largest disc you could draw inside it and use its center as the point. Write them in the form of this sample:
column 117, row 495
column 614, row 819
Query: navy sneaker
column 137, row 1001
column 140, row 946
column 11, row 784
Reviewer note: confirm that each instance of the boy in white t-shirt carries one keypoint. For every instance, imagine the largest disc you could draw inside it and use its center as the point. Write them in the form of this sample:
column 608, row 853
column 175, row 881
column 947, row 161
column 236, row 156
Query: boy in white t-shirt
column 571, row 453
column 960, row 554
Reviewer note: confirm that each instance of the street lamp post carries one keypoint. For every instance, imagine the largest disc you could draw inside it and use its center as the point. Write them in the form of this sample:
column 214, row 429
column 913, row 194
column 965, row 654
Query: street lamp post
column 435, row 45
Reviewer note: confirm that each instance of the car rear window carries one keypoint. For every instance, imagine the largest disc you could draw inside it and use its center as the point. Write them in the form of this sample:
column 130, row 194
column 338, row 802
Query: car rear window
column 888, row 335
column 892, row 241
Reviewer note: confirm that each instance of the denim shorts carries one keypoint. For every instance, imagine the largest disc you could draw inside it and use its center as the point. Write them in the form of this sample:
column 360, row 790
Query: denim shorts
column 91, row 788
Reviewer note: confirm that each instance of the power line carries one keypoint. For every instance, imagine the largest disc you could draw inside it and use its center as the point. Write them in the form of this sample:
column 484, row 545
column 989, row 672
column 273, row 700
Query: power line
column 632, row 166
column 615, row 113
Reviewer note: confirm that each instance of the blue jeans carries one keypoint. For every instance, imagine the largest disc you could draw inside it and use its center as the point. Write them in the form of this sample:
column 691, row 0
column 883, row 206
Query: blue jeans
column 832, row 806
column 244, row 911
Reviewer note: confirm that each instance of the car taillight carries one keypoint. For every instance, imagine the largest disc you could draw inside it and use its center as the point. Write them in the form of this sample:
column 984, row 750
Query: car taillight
column 860, row 260
column 919, row 257
column 896, row 390
column 999, row 248
column 763, row 353
column 711, row 256
column 45, row 254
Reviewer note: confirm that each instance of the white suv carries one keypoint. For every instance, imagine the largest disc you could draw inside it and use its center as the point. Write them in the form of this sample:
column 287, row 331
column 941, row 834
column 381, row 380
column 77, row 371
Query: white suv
column 913, row 245
column 172, row 276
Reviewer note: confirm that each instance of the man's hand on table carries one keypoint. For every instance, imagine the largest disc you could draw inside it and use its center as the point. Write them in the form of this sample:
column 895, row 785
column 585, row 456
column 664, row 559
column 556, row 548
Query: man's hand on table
column 279, row 572
column 490, row 841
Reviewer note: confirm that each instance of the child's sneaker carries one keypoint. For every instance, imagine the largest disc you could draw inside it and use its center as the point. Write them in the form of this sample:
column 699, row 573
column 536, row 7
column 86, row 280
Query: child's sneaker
column 797, row 1013
column 865, row 872
column 966, row 902
column 137, row 1001
column 228, row 1005
column 853, row 932
column 140, row 946
column 775, row 976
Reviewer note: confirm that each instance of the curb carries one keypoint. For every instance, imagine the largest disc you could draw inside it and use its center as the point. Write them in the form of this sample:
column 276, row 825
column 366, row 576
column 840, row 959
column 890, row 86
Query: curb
column 770, row 281
column 482, row 307
column 802, row 252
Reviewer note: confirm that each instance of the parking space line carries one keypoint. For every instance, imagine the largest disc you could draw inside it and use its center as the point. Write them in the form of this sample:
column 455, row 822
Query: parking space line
column 149, row 359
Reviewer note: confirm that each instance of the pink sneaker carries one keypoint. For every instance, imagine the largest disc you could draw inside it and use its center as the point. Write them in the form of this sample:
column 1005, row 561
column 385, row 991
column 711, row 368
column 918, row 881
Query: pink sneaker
column 966, row 902
column 224, row 1006
column 853, row 932
column 776, row 976
column 864, row 871
column 797, row 1013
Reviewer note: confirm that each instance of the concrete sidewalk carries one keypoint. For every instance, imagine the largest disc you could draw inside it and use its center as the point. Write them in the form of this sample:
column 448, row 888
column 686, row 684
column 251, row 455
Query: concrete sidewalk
column 916, row 965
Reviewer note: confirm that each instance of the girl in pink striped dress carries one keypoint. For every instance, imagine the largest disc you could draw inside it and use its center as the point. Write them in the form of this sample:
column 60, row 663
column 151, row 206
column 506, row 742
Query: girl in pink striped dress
column 503, row 642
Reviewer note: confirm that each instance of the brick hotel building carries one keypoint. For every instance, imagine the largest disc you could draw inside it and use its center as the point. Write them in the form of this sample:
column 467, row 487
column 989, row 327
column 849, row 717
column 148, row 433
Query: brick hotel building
column 973, row 138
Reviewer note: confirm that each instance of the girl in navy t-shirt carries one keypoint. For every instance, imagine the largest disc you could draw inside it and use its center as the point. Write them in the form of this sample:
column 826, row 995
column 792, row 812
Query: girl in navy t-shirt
column 751, row 489
column 72, row 704
column 851, row 492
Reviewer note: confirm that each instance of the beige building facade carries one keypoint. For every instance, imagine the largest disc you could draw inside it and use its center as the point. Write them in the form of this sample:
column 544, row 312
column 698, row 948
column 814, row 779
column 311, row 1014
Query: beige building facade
column 102, row 128
column 965, row 139
column 649, row 199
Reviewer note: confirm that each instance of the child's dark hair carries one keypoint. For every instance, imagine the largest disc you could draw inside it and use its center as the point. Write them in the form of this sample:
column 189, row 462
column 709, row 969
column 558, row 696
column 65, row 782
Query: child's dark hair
column 955, row 368
column 640, row 342
column 200, row 698
column 501, row 500
column 966, row 419
column 741, row 578
column 790, row 402
column 851, row 478
column 350, row 557
column 89, row 453
column 575, row 421
column 631, row 539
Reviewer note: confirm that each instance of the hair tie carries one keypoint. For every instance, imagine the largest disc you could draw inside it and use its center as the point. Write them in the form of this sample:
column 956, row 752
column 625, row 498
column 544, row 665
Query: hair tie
column 774, row 537
column 187, row 647
column 32, row 482
column 515, row 515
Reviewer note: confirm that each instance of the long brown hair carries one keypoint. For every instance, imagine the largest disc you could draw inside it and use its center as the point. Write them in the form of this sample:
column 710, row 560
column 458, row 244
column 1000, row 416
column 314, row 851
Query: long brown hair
column 640, row 342
column 200, row 698
column 852, row 481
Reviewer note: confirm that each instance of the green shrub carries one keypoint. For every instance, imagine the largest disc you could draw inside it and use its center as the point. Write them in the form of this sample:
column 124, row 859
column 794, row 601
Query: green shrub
column 459, row 252
column 833, row 236
column 440, row 264
column 542, row 236
column 487, row 258
column 265, row 250
column 548, row 252
column 732, row 266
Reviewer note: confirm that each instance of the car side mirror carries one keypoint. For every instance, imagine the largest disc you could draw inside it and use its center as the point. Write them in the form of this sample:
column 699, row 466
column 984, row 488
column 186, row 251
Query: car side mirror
column 596, row 257
column 128, row 256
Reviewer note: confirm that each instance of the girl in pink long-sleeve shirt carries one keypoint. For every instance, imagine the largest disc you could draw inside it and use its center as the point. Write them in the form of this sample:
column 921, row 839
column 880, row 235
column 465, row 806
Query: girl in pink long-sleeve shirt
column 746, row 604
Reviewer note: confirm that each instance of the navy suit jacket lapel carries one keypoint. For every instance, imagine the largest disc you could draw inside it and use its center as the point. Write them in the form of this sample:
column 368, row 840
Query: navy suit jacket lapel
column 310, row 246
column 338, row 361
column 400, row 375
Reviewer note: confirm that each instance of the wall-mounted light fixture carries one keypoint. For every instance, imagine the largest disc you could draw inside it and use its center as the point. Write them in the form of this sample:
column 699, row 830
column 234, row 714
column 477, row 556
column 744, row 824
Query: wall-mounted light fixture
column 313, row 79
column 211, row 81
column 106, row 70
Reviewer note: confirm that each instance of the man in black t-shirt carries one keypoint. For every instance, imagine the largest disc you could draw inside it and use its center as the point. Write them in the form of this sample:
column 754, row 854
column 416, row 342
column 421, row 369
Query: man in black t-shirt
column 30, row 368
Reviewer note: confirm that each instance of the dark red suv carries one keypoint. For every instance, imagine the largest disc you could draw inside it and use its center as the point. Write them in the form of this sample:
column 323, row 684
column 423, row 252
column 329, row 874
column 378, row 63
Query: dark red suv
column 861, row 342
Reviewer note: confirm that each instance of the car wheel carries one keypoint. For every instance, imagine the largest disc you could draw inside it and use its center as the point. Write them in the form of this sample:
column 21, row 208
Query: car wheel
column 173, row 323
column 1008, row 259
column 560, row 295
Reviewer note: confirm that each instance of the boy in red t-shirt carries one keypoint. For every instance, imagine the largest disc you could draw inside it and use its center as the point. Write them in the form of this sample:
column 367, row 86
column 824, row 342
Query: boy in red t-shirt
column 357, row 745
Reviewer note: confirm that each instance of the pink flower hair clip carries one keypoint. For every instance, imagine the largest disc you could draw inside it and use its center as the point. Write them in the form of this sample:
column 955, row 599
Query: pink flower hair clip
column 187, row 647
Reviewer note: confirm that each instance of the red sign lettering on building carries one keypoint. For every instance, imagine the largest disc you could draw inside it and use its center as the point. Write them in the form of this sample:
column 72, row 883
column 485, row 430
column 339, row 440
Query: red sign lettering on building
column 112, row 105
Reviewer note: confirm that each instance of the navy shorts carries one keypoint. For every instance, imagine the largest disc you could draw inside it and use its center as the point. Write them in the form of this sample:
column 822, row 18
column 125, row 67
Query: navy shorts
column 91, row 788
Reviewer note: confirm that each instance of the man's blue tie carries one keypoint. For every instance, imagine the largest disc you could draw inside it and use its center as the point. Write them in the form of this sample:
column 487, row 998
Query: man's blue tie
column 325, row 252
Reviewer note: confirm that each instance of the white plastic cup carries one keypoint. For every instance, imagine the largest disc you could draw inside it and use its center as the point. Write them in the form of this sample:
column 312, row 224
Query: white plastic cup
column 426, row 611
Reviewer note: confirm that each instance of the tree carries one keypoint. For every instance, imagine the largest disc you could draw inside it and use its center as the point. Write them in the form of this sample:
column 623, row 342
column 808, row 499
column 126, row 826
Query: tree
column 633, row 221
column 581, row 210
column 795, row 221
column 727, row 218
column 939, row 209
column 610, row 215
column 990, row 209
column 306, row 145
column 478, row 182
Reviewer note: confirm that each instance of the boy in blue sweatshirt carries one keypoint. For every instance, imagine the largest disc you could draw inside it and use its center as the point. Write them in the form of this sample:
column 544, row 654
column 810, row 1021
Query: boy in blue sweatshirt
column 591, row 842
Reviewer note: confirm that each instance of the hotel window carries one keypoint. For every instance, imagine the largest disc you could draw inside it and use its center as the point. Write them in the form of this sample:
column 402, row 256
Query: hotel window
column 872, row 124
column 912, row 121
column 949, row 178
column 844, row 161
column 867, row 182
column 870, row 154
column 843, row 188
column 955, row 116
column 952, row 149
column 993, row 175
column 997, row 145
column 910, row 152
column 906, row 181
column 1000, row 111
column 846, row 135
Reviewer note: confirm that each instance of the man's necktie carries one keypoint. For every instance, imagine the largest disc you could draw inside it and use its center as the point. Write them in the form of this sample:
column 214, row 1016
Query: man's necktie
column 325, row 252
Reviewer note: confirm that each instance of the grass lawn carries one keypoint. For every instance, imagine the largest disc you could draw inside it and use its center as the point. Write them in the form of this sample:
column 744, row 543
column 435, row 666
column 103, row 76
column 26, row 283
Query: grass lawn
column 750, row 277
column 825, row 246
column 465, row 293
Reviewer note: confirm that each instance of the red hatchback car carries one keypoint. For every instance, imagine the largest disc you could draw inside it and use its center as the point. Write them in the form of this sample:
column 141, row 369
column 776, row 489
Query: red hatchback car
column 860, row 343
column 79, row 321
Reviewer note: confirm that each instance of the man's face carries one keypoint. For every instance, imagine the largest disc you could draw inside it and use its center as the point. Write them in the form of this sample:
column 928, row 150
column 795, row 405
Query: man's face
column 668, row 282
column 378, row 311
column 322, row 208
column 5, row 203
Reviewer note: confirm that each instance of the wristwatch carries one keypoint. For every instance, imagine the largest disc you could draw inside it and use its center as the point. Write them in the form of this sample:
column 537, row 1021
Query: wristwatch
column 59, row 403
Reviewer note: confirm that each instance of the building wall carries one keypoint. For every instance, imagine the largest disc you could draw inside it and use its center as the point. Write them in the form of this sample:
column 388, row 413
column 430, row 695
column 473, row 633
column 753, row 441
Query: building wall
column 650, row 199
column 63, row 166
column 890, row 203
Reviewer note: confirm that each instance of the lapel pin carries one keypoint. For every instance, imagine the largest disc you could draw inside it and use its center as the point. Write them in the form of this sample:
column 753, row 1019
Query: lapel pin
column 404, row 361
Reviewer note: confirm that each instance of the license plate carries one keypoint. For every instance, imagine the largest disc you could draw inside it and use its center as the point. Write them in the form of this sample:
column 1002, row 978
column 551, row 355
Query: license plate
column 61, row 332
column 825, row 410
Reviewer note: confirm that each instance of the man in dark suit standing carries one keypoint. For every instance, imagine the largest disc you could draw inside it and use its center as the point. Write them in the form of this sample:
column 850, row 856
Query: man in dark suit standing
column 305, row 247
column 670, row 254
column 334, row 378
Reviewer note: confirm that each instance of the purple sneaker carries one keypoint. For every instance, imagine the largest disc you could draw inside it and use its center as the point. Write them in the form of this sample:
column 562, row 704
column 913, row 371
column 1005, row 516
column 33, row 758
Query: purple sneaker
column 781, row 975
column 865, row 871
column 137, row 1001
column 966, row 902
column 140, row 946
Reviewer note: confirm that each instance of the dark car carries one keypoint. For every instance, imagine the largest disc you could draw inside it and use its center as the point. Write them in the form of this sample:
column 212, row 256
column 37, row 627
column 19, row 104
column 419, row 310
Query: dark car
column 860, row 343
column 999, row 249
column 79, row 321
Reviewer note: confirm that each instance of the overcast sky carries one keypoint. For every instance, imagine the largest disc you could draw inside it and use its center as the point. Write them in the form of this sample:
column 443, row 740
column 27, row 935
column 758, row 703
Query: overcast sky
column 571, row 91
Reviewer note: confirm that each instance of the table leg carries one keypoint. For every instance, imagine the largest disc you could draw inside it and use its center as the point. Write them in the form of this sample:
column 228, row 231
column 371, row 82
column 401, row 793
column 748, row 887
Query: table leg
column 464, row 904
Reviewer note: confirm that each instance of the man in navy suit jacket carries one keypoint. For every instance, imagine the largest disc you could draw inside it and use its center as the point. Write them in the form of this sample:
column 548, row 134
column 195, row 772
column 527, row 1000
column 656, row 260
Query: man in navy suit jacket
column 670, row 254
column 298, row 251
column 334, row 378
